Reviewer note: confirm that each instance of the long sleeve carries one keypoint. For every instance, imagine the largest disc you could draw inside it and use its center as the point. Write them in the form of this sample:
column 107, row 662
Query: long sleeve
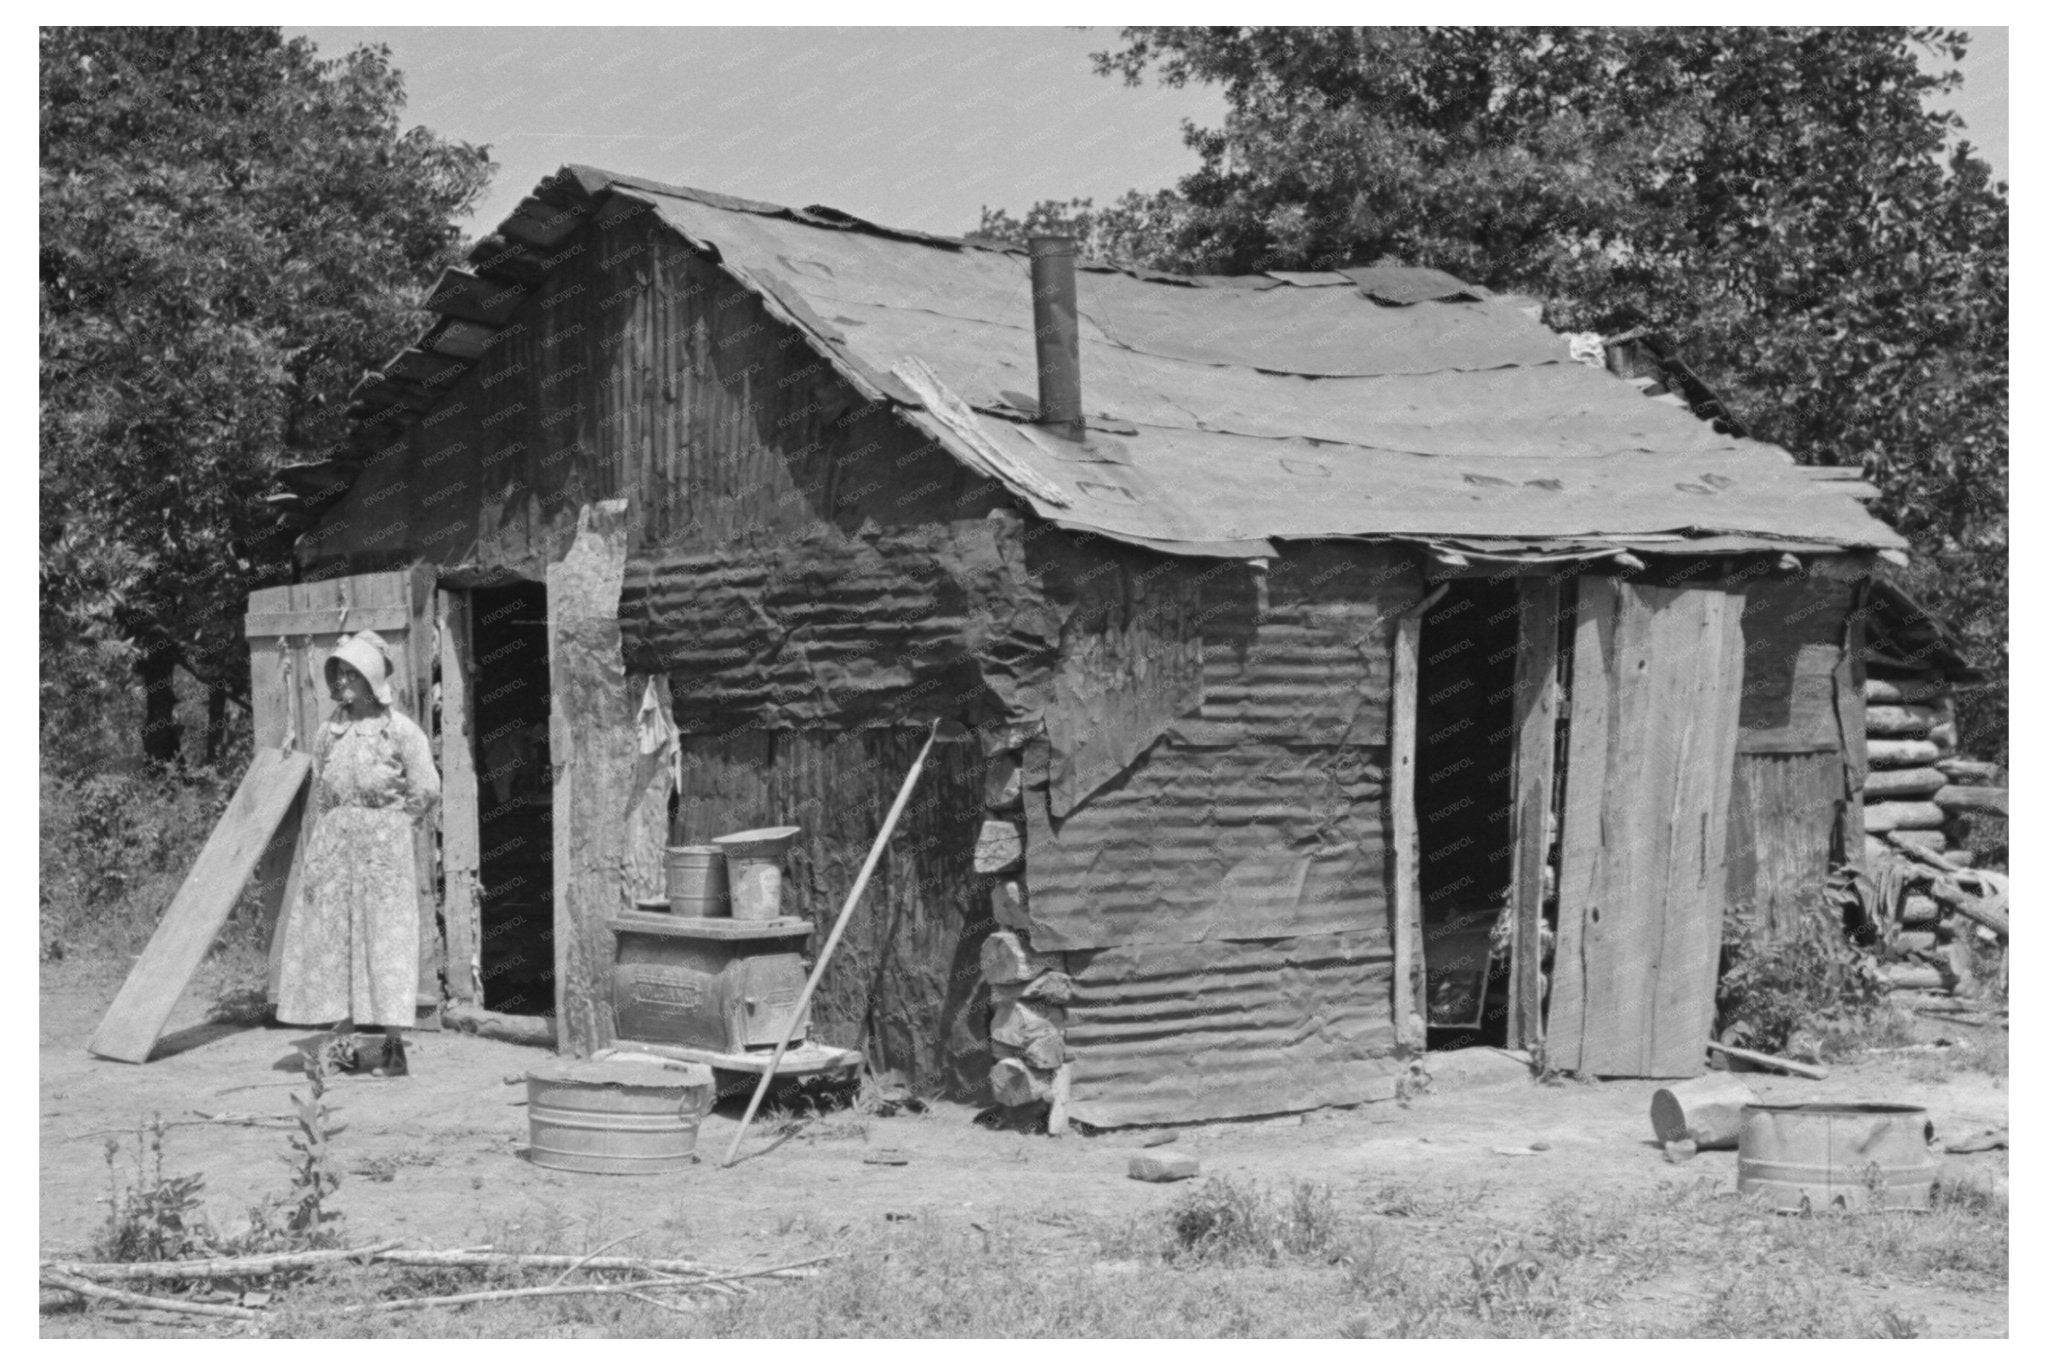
column 316, row 799
column 422, row 779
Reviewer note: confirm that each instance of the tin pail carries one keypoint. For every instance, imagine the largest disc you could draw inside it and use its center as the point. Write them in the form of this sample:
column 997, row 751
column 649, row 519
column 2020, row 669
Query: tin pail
column 1852, row 1158
column 696, row 881
column 753, row 868
column 616, row 1118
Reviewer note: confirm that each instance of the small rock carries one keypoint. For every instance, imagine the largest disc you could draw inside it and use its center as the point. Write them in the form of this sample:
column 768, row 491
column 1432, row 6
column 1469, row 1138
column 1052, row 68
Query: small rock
column 1681, row 1151
column 1160, row 1167
column 1514, row 1151
column 1160, row 1138
column 886, row 1156
column 1539, row 1146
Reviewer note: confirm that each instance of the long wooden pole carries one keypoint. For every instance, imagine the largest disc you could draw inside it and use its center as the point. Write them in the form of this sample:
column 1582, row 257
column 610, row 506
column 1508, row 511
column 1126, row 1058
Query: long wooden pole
column 860, row 884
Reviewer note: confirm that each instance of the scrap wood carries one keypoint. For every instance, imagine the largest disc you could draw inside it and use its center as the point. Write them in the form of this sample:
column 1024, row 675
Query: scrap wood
column 1987, row 908
column 1764, row 1059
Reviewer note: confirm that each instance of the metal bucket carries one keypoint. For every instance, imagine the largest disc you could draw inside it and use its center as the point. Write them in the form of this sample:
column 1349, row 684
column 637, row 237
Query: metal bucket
column 616, row 1117
column 696, row 881
column 753, row 864
column 1852, row 1158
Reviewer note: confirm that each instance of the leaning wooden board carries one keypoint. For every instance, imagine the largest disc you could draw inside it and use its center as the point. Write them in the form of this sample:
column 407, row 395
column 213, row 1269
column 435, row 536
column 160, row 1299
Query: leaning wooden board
column 132, row 1024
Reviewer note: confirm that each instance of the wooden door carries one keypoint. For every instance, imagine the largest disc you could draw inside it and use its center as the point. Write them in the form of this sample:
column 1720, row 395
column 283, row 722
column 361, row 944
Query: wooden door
column 1655, row 698
column 291, row 631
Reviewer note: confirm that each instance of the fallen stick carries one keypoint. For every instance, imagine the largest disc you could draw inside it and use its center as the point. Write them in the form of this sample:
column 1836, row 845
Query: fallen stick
column 86, row 1289
column 214, row 1267
column 276, row 1121
column 1764, row 1059
column 803, row 1000
column 544, row 1291
column 578, row 1265
column 539, row 1260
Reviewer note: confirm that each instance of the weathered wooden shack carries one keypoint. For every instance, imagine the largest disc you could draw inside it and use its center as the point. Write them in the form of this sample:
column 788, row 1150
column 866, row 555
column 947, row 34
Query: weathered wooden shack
column 1362, row 666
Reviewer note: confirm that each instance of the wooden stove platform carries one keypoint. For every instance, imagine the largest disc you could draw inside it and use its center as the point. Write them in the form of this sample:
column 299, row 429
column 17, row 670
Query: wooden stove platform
column 804, row 1059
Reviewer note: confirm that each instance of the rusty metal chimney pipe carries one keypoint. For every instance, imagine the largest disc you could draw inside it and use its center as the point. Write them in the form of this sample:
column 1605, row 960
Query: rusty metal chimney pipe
column 1056, row 321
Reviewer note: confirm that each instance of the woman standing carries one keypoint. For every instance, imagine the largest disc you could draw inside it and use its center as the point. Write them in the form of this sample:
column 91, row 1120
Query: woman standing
column 351, row 945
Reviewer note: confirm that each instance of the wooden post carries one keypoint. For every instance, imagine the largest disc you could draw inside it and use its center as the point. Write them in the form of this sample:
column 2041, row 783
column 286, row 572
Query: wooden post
column 1410, row 1029
column 1850, row 684
column 1534, row 770
column 593, row 746
column 461, row 854
column 421, row 653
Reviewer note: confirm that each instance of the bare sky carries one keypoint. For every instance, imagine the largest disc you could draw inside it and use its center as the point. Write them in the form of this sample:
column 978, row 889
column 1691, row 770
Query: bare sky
column 912, row 127
column 916, row 127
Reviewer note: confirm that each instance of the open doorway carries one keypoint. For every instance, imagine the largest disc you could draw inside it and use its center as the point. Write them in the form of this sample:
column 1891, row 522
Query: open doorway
column 515, row 798
column 1464, row 795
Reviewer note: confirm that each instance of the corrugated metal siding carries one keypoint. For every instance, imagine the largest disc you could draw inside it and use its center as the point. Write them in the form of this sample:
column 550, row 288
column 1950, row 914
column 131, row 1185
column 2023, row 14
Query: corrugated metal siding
column 1130, row 659
column 1172, row 1033
column 902, row 626
column 1263, row 814
column 1253, row 841
column 904, row 984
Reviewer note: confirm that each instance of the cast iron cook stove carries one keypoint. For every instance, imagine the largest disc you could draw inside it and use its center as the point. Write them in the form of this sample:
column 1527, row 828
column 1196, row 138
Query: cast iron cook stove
column 715, row 989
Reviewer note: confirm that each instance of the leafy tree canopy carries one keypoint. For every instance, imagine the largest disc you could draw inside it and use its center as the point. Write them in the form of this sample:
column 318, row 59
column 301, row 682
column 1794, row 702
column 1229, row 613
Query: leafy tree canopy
column 1786, row 204
column 232, row 231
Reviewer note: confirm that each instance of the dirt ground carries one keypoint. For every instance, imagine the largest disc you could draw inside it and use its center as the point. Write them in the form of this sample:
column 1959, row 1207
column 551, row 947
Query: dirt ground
column 439, row 1158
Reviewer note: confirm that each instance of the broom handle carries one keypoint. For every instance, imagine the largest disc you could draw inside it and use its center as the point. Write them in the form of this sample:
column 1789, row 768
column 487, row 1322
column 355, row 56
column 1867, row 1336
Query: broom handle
column 860, row 884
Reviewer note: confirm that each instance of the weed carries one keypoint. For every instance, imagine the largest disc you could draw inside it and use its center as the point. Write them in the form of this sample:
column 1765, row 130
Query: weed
column 1227, row 1222
column 314, row 1177
column 1508, row 1276
column 157, row 1217
column 1812, row 982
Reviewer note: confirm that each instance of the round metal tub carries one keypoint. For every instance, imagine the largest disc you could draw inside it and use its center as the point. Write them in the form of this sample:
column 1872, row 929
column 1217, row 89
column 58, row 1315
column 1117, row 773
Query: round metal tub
column 616, row 1117
column 1852, row 1158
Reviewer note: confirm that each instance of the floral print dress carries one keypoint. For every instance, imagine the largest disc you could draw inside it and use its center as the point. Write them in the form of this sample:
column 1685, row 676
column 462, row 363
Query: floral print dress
column 351, row 945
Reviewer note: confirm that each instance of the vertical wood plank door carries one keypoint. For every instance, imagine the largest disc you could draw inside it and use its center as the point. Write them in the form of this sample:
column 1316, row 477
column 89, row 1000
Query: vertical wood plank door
column 291, row 630
column 1656, row 694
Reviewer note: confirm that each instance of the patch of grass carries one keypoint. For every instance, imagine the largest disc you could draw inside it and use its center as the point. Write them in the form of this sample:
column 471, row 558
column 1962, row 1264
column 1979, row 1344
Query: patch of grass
column 1228, row 1223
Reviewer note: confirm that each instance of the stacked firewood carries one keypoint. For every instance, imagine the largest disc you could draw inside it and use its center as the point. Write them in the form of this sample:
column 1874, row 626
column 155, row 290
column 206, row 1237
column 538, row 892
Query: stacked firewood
column 1918, row 798
column 1028, row 990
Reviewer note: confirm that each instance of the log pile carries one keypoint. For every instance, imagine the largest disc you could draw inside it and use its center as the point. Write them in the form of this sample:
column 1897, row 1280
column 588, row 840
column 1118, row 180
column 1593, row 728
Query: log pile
column 1918, row 797
column 1028, row 990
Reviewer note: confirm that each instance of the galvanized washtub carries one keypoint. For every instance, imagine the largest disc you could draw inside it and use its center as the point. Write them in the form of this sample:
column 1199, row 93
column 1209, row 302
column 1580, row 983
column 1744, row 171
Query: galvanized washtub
column 1851, row 1158
column 616, row 1117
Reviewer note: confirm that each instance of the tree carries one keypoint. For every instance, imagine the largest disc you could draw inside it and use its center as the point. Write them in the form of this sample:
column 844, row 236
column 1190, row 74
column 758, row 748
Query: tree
column 1784, row 203
column 232, row 231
